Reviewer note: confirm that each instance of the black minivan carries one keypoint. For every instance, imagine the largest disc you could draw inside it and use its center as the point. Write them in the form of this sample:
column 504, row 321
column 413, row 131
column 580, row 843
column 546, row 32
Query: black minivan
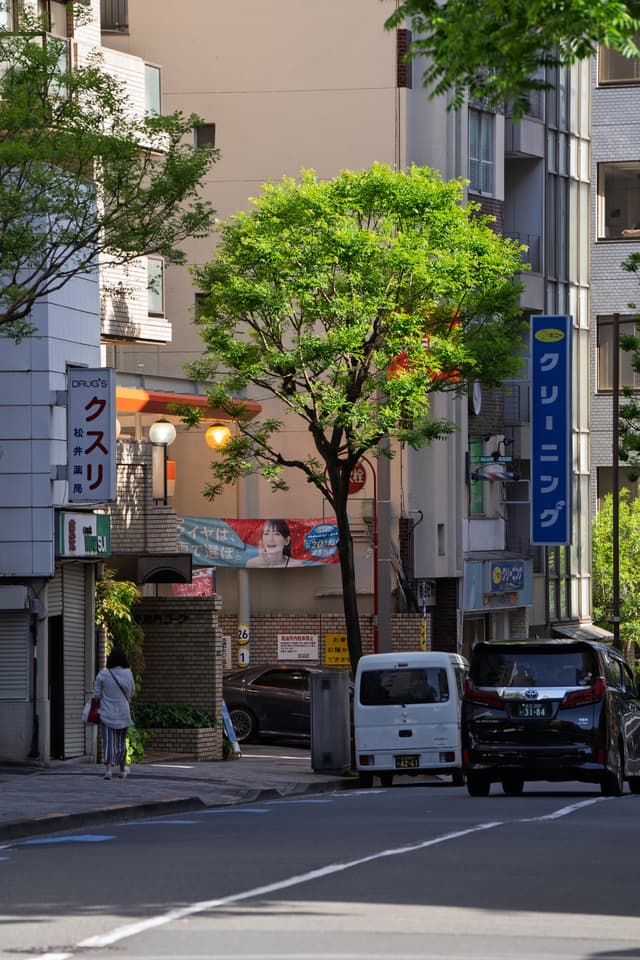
column 550, row 710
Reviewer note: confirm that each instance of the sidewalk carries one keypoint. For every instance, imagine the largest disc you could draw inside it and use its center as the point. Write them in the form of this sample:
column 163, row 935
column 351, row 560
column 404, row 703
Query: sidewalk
column 70, row 794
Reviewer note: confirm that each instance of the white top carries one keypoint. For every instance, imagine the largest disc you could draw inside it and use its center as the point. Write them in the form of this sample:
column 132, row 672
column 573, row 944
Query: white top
column 114, row 705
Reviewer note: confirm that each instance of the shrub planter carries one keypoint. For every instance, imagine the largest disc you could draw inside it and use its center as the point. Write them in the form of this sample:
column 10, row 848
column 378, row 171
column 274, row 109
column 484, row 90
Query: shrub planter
column 196, row 743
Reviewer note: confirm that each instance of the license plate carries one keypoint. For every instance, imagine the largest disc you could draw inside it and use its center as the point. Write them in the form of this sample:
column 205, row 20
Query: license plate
column 534, row 710
column 407, row 760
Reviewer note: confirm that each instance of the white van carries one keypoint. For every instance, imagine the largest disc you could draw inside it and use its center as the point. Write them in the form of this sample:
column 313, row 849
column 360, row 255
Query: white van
column 406, row 714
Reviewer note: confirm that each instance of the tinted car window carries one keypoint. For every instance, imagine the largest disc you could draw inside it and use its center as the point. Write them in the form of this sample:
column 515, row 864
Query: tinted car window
column 383, row 687
column 528, row 667
column 289, row 679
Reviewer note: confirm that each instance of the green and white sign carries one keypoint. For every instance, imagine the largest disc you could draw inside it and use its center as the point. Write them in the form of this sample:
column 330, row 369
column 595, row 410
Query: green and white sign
column 84, row 535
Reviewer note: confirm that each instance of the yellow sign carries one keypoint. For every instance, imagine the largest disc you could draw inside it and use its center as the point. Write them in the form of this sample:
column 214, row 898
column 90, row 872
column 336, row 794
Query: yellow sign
column 336, row 651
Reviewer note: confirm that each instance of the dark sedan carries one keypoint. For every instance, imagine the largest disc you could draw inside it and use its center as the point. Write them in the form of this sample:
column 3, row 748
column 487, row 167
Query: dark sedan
column 272, row 700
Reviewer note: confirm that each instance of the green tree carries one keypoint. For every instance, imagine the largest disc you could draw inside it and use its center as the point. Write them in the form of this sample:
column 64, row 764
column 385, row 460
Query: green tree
column 497, row 50
column 350, row 301
column 602, row 569
column 81, row 177
column 114, row 602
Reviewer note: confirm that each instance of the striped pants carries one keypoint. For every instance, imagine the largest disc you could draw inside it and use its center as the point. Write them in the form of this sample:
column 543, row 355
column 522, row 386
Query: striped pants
column 114, row 743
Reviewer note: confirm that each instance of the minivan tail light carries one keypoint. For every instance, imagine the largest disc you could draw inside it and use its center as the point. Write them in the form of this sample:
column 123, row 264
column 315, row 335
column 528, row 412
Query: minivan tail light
column 592, row 694
column 486, row 698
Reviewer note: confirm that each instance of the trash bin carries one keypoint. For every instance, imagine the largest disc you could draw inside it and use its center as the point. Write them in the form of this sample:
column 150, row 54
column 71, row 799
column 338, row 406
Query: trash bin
column 330, row 722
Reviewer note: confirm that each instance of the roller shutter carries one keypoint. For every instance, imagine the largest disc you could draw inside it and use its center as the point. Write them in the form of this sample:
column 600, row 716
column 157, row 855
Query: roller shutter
column 74, row 626
column 14, row 656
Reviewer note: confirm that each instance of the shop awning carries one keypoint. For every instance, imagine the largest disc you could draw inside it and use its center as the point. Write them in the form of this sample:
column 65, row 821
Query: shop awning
column 582, row 631
column 132, row 400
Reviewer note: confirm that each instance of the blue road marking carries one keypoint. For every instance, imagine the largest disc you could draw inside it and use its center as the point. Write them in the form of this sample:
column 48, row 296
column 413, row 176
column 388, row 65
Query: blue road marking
column 86, row 838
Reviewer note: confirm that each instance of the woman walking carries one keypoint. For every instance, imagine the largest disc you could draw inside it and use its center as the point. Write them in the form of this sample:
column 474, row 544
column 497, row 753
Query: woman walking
column 114, row 687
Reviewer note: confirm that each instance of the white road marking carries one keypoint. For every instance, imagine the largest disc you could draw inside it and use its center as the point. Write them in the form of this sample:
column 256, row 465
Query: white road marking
column 133, row 929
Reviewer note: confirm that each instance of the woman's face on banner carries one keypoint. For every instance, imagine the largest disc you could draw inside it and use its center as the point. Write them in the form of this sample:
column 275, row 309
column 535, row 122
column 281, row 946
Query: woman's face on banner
column 273, row 542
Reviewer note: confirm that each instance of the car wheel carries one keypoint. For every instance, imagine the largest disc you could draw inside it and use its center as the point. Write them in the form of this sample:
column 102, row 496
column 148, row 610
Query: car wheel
column 613, row 783
column 457, row 778
column 634, row 784
column 386, row 779
column 365, row 780
column 513, row 785
column 244, row 724
column 478, row 785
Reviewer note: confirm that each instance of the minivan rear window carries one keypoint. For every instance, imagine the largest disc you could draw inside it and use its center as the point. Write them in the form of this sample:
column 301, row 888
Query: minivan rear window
column 380, row 688
column 526, row 667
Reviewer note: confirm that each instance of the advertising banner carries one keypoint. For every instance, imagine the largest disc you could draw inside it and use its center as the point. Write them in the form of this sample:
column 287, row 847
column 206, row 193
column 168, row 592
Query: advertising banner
column 551, row 459
column 266, row 544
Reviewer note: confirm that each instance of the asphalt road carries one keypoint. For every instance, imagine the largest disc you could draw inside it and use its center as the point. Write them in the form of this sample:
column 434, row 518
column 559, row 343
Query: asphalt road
column 414, row 871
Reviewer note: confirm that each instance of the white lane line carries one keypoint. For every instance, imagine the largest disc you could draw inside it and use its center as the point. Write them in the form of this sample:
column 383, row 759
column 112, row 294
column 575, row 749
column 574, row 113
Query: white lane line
column 563, row 811
column 133, row 929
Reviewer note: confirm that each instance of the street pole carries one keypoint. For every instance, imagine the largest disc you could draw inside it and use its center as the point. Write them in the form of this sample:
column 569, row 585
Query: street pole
column 616, row 482
column 385, row 620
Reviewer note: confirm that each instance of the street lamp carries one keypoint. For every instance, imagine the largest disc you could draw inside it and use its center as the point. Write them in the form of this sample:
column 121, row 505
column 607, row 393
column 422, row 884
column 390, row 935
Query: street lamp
column 162, row 433
column 217, row 435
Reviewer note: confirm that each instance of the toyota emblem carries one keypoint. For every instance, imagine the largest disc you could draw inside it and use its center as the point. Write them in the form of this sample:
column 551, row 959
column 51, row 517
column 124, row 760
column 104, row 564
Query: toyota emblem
column 531, row 694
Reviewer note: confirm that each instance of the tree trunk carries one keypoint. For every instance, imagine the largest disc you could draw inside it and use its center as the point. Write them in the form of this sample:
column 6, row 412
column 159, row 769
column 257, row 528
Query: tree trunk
column 349, row 595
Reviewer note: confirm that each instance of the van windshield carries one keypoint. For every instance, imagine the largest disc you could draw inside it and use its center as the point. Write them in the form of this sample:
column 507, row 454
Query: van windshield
column 398, row 687
column 560, row 668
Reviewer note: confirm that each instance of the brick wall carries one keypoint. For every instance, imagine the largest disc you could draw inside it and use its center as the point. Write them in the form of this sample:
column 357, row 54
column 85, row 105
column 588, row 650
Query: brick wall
column 265, row 630
column 182, row 652
column 137, row 524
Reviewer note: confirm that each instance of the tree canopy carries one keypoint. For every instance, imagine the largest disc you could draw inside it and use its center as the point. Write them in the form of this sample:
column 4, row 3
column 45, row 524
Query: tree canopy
column 81, row 176
column 498, row 50
column 629, row 563
column 350, row 301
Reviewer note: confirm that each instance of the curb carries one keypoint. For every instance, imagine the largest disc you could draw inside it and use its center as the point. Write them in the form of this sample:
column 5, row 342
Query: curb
column 62, row 822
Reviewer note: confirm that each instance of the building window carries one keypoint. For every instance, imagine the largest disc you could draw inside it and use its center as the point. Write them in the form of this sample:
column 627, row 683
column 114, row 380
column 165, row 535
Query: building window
column 558, row 584
column 9, row 15
column 151, row 90
column 619, row 200
column 614, row 68
column 481, row 152
column 628, row 377
column 155, row 286
column 114, row 15
column 205, row 136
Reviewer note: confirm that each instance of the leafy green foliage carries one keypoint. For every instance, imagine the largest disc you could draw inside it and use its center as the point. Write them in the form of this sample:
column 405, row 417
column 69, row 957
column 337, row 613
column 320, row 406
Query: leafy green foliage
column 81, row 176
column 498, row 50
column 602, row 569
column 154, row 715
column 349, row 302
column 114, row 600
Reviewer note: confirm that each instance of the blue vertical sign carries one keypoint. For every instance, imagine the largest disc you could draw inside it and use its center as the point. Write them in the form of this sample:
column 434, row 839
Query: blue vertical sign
column 551, row 430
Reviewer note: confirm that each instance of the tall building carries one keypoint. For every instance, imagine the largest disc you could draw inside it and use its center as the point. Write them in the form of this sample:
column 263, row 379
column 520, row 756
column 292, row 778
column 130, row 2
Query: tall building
column 55, row 529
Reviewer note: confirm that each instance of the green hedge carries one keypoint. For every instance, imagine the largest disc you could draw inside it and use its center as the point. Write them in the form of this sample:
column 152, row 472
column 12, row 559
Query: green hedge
column 157, row 716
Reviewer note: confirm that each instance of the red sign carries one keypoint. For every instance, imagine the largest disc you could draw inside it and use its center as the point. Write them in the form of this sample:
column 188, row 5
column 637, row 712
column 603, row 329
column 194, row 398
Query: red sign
column 202, row 585
column 357, row 478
